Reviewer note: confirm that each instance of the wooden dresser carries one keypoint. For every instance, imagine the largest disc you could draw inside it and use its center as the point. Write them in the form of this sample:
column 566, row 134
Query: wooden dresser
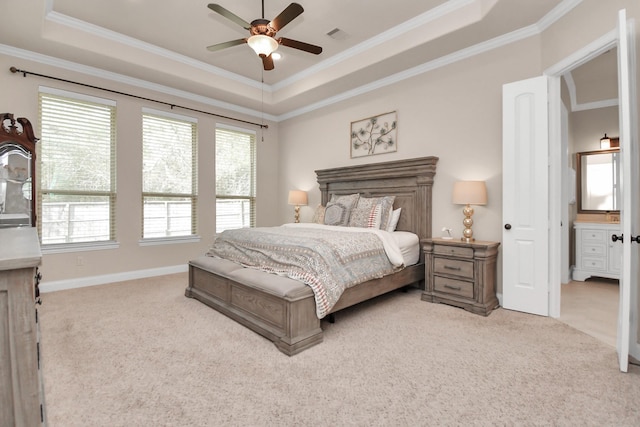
column 21, row 394
column 461, row 274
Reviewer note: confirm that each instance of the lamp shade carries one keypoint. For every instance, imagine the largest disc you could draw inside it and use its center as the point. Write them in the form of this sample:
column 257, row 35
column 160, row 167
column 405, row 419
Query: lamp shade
column 469, row 193
column 298, row 197
column 262, row 45
column 605, row 142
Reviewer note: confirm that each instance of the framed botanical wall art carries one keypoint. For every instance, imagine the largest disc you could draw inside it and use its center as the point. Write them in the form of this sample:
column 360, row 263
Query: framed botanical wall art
column 374, row 135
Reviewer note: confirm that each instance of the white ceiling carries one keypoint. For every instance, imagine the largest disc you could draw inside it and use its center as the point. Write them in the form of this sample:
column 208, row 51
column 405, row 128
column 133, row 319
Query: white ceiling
column 163, row 42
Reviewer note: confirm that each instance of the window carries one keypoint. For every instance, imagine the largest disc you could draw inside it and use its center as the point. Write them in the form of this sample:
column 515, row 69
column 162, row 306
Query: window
column 77, row 168
column 235, row 178
column 169, row 175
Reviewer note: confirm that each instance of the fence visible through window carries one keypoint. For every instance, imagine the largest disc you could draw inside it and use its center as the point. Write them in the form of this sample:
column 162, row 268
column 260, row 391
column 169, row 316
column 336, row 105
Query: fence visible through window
column 233, row 213
column 74, row 222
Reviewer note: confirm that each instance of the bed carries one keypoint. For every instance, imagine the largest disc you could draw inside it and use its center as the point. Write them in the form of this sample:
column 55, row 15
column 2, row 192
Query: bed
column 284, row 310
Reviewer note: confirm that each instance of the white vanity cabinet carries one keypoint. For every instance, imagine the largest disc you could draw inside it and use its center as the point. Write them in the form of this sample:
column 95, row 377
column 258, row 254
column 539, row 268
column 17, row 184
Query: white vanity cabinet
column 596, row 254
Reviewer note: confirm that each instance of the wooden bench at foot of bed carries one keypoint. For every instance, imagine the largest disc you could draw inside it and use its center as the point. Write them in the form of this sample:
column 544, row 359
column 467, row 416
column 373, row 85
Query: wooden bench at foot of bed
column 281, row 309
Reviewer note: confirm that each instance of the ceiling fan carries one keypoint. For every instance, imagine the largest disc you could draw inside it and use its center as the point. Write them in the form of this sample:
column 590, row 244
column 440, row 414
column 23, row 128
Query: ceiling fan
column 262, row 39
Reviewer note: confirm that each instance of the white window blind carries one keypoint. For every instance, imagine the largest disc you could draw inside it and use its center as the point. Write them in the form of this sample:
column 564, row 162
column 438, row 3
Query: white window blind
column 235, row 178
column 169, row 176
column 77, row 195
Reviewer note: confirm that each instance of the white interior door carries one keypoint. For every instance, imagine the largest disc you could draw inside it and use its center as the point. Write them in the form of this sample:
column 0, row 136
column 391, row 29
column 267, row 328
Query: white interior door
column 525, row 234
column 629, row 187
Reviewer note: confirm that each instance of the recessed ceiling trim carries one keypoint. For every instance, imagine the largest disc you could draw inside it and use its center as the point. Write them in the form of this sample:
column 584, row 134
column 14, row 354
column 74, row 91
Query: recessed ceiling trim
column 460, row 55
column 556, row 13
column 77, row 24
column 388, row 35
column 119, row 78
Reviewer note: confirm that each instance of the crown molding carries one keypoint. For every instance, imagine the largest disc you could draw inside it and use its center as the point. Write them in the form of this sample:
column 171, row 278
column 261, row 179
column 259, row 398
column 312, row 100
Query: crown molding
column 388, row 35
column 104, row 33
column 532, row 30
column 120, row 78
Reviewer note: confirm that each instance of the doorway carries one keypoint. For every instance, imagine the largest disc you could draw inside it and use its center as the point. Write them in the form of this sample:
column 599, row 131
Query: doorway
column 590, row 91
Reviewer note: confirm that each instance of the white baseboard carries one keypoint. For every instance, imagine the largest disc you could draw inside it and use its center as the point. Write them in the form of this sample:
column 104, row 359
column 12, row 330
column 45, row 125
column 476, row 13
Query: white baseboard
column 60, row 285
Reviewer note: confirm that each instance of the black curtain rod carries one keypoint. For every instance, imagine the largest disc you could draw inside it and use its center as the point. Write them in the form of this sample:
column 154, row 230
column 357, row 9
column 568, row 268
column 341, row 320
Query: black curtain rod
column 24, row 74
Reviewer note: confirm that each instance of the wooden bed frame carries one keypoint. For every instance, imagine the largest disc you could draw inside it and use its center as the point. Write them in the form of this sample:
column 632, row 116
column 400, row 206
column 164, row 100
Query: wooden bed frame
column 283, row 310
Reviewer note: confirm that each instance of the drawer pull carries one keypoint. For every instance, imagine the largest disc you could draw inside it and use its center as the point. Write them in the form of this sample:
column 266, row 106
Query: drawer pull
column 448, row 267
column 455, row 288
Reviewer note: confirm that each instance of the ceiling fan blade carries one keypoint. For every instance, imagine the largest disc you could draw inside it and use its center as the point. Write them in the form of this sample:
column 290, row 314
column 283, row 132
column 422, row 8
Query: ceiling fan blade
column 229, row 15
column 267, row 62
column 220, row 46
column 289, row 14
column 316, row 50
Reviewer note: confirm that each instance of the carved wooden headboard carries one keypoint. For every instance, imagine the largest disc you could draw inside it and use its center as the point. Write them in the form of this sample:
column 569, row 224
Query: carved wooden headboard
column 410, row 180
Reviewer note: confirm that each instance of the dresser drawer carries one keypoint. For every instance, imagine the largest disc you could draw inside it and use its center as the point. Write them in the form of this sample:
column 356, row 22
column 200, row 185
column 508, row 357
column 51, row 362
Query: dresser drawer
column 453, row 286
column 453, row 251
column 594, row 236
column 455, row 267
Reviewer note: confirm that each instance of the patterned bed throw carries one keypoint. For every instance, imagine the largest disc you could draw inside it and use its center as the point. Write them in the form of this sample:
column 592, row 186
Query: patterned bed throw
column 328, row 259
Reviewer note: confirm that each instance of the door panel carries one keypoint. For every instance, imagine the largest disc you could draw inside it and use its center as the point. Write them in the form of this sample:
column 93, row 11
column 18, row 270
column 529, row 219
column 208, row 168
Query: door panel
column 629, row 187
column 525, row 235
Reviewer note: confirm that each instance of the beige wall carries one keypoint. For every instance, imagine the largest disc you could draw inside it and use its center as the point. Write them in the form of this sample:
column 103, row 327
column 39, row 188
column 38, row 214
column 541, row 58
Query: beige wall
column 20, row 97
column 454, row 113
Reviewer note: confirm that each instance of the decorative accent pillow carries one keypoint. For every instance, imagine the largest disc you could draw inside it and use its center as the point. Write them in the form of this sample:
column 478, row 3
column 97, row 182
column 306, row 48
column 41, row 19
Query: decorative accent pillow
column 393, row 221
column 339, row 209
column 360, row 217
column 318, row 215
column 363, row 210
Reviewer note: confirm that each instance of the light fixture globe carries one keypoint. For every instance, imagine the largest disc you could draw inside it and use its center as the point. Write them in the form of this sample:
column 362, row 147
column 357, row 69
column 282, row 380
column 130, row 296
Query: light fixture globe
column 262, row 45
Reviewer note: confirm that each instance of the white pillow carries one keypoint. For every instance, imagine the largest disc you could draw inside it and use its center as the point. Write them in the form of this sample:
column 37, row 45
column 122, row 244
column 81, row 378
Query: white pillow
column 393, row 221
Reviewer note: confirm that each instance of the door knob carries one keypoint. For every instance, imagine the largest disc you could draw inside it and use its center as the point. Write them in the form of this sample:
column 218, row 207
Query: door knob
column 507, row 226
column 615, row 238
column 635, row 239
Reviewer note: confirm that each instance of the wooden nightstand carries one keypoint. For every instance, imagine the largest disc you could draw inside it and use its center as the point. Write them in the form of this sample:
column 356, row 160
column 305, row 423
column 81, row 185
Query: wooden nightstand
column 461, row 274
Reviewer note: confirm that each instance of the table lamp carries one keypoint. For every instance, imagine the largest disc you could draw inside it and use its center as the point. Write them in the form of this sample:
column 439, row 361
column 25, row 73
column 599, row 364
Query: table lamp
column 297, row 198
column 469, row 193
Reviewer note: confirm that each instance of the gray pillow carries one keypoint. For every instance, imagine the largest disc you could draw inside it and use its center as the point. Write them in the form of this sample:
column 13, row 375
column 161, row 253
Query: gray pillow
column 339, row 209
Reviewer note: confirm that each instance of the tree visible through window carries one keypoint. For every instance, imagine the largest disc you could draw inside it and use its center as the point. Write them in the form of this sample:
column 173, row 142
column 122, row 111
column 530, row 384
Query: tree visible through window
column 77, row 168
column 235, row 178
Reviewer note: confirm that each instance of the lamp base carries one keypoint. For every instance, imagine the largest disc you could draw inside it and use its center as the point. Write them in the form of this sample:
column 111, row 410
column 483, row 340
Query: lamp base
column 296, row 217
column 467, row 234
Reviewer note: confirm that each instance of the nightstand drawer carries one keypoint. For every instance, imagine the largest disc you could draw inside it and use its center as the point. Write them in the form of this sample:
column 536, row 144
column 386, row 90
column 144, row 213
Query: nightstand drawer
column 453, row 286
column 453, row 251
column 453, row 266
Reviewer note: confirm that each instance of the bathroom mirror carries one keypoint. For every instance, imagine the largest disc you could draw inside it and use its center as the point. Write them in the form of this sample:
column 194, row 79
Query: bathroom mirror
column 17, row 166
column 598, row 181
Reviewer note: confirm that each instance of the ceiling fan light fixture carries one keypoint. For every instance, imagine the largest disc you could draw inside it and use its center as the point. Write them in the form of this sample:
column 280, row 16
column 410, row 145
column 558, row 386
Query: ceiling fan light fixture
column 262, row 45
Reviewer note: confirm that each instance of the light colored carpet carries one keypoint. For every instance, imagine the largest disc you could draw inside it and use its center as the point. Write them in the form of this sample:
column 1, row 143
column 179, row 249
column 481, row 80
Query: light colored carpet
column 142, row 354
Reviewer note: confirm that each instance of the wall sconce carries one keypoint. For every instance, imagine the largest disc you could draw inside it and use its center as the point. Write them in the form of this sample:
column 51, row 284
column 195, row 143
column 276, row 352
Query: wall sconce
column 605, row 142
column 297, row 198
column 469, row 193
